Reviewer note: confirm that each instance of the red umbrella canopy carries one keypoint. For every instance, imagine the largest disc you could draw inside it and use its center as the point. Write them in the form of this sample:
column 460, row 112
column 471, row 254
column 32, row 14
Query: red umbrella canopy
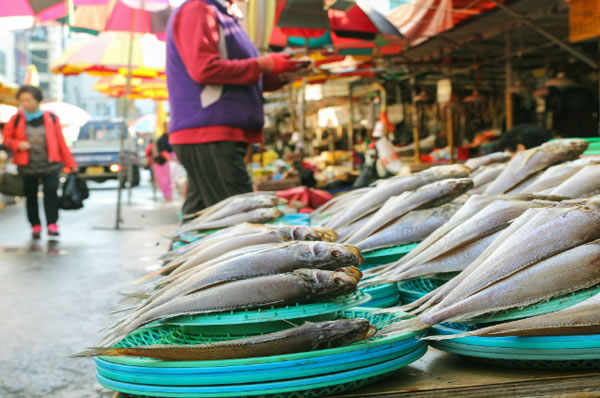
column 309, row 19
column 24, row 14
column 357, row 25
column 147, row 16
column 44, row 10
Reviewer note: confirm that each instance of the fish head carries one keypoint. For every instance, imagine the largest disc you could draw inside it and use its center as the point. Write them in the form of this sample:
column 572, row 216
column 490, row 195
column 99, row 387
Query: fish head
column 567, row 149
column 326, row 233
column 328, row 283
column 343, row 332
column 268, row 213
column 335, row 254
column 263, row 201
column 295, row 232
column 352, row 271
column 448, row 171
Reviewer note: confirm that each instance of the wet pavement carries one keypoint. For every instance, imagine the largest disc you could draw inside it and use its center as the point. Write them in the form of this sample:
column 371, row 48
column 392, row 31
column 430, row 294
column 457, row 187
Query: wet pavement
column 57, row 294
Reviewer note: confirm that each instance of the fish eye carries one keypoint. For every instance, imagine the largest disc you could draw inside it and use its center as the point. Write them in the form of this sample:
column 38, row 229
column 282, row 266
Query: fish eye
column 336, row 254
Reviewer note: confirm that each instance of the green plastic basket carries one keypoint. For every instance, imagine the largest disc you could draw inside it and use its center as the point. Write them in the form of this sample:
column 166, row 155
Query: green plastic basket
column 311, row 393
column 308, row 387
column 386, row 255
column 545, row 352
column 272, row 314
column 180, row 336
column 552, row 305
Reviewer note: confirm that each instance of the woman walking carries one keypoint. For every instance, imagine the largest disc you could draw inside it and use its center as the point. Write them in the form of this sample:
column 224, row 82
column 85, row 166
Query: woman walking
column 40, row 152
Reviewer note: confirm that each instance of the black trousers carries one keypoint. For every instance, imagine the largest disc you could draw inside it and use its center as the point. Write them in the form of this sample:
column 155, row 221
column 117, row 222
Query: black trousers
column 215, row 170
column 30, row 185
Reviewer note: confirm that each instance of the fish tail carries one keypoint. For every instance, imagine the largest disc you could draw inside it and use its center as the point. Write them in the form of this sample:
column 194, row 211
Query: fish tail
column 101, row 351
column 124, row 310
column 407, row 325
column 138, row 295
column 160, row 271
column 450, row 336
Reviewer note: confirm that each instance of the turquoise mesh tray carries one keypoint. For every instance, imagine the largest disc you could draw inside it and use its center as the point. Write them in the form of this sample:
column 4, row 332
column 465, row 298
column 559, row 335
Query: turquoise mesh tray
column 245, row 374
column 414, row 289
column 269, row 315
column 387, row 255
column 176, row 335
column 269, row 388
column 552, row 305
column 382, row 296
column 545, row 352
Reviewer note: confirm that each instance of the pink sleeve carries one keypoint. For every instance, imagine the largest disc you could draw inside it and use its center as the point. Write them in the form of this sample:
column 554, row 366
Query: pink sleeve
column 196, row 34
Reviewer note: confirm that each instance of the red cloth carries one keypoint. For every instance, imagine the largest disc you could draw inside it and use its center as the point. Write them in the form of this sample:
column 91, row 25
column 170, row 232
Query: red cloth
column 310, row 197
column 149, row 150
column 196, row 33
column 58, row 152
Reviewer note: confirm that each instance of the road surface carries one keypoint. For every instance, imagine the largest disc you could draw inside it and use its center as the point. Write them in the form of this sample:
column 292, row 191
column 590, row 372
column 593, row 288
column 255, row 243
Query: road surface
column 57, row 295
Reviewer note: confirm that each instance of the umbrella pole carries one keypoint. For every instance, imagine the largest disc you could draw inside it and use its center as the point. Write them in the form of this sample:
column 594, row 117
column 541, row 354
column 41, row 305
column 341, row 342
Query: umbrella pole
column 125, row 132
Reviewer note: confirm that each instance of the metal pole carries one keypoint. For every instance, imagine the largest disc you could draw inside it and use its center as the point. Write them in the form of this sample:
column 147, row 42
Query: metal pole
column 125, row 131
column 415, row 122
column 450, row 132
column 550, row 36
column 350, row 120
column 508, row 111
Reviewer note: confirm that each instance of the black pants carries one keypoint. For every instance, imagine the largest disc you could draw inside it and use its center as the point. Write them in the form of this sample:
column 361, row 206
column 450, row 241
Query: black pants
column 215, row 170
column 50, row 183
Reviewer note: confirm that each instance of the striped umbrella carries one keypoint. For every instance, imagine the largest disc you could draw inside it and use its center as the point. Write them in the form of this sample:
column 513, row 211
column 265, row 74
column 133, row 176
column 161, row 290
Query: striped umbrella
column 139, row 16
column 23, row 14
column 107, row 54
column 141, row 88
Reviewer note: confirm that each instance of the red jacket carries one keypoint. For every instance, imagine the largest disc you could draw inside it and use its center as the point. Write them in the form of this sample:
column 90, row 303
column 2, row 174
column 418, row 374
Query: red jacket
column 58, row 152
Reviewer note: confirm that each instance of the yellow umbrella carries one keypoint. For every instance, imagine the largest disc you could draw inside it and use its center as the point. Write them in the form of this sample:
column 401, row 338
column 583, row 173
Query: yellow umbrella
column 107, row 54
column 141, row 88
column 7, row 93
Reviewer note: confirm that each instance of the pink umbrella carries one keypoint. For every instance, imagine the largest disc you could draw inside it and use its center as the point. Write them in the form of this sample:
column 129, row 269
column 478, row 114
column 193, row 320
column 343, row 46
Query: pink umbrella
column 139, row 16
column 23, row 14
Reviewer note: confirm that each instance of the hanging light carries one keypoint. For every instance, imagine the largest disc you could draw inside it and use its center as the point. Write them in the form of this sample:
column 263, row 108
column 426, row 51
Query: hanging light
column 518, row 88
column 422, row 96
column 561, row 81
column 475, row 97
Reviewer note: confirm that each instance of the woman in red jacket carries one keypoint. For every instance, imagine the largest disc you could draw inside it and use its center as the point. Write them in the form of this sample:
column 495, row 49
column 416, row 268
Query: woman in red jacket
column 40, row 152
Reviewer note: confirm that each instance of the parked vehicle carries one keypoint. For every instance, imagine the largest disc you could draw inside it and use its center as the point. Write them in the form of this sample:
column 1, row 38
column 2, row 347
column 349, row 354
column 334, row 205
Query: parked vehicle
column 97, row 152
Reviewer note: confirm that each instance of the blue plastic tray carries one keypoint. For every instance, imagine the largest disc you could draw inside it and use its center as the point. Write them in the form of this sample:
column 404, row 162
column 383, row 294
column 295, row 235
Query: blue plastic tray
column 532, row 352
column 254, row 389
column 386, row 255
column 254, row 374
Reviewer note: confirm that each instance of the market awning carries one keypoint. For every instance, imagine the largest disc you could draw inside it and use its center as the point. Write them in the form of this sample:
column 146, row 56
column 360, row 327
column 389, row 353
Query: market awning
column 422, row 19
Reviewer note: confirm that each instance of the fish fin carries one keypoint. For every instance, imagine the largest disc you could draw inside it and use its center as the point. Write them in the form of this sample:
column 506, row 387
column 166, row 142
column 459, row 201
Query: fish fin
column 291, row 323
column 100, row 351
column 160, row 271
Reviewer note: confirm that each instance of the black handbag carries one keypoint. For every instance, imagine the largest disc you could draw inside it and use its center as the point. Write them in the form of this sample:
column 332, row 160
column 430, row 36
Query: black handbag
column 11, row 185
column 72, row 195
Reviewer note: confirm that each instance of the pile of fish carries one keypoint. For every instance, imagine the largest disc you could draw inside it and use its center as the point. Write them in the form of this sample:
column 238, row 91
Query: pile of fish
column 546, row 252
column 463, row 238
column 397, row 211
column 253, row 277
column 253, row 207
column 528, row 230
column 233, row 239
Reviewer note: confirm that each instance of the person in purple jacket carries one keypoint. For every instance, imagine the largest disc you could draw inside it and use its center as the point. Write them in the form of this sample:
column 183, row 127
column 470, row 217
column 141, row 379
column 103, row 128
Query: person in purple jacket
column 216, row 78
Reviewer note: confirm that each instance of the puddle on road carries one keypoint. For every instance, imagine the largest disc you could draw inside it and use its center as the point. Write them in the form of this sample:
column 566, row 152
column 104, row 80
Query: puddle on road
column 52, row 248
